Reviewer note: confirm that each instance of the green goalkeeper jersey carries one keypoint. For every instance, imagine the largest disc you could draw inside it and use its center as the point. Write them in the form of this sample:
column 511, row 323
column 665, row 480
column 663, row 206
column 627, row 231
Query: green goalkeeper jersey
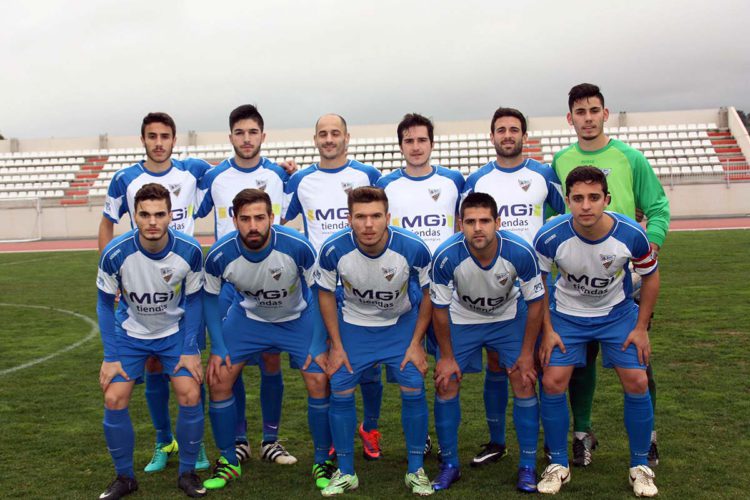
column 631, row 180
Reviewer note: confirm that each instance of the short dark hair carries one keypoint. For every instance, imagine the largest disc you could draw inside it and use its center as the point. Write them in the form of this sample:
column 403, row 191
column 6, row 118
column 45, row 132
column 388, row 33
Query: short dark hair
column 366, row 194
column 250, row 196
column 479, row 200
column 153, row 191
column 415, row 120
column 583, row 91
column 588, row 175
column 158, row 117
column 502, row 112
column 245, row 112
column 343, row 122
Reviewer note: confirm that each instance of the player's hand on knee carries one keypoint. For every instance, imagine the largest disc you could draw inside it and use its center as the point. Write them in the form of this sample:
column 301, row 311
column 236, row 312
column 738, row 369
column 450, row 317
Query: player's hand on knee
column 445, row 369
column 639, row 338
column 415, row 355
column 321, row 360
column 215, row 371
column 192, row 363
column 108, row 371
column 550, row 340
column 336, row 359
column 524, row 365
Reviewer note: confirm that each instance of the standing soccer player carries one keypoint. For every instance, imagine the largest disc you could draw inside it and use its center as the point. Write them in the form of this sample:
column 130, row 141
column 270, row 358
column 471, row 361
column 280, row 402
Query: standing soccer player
column 271, row 268
column 633, row 185
column 522, row 188
column 319, row 193
column 377, row 321
column 216, row 190
column 158, row 136
column 486, row 292
column 159, row 272
column 592, row 301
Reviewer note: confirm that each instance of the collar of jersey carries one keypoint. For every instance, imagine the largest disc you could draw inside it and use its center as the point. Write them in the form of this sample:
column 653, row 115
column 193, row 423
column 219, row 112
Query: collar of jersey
column 494, row 259
column 142, row 163
column 594, row 242
column 333, row 170
column 260, row 254
column 609, row 145
column 424, row 178
column 159, row 255
column 243, row 169
column 512, row 169
column 373, row 257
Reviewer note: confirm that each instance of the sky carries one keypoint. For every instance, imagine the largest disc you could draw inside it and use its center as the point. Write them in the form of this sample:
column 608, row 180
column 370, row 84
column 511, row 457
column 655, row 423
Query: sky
column 89, row 67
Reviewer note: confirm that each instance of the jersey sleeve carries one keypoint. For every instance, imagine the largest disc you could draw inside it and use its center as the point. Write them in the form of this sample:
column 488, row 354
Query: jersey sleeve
column 441, row 283
column 204, row 199
column 555, row 199
column 644, row 259
column 650, row 197
column 307, row 261
column 213, row 272
column 115, row 202
column 107, row 275
column 529, row 272
column 290, row 206
column 544, row 253
column 326, row 275
column 194, row 277
column 422, row 264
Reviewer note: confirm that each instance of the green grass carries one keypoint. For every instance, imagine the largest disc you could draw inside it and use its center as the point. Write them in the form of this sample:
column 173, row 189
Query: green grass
column 52, row 445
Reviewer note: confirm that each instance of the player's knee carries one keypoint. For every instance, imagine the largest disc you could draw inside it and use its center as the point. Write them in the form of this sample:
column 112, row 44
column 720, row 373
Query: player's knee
column 317, row 384
column 635, row 382
column 153, row 365
column 449, row 390
column 188, row 394
column 271, row 363
column 493, row 362
column 219, row 391
column 521, row 388
column 554, row 383
column 115, row 401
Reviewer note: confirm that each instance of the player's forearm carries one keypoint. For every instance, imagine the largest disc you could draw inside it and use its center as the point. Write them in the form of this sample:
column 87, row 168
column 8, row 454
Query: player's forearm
column 534, row 318
column 424, row 317
column 441, row 326
column 106, row 233
column 327, row 303
column 649, row 293
column 105, row 311
column 546, row 317
column 193, row 323
column 213, row 322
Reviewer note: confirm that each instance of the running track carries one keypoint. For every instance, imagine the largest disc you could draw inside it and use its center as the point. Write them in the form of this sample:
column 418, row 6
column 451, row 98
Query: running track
column 61, row 245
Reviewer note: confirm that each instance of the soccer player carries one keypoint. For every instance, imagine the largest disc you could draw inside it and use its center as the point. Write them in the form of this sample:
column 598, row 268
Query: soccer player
column 376, row 321
column 271, row 268
column 158, row 136
column 319, row 192
column 592, row 249
column 159, row 272
column 522, row 188
column 633, row 186
column 486, row 291
column 216, row 190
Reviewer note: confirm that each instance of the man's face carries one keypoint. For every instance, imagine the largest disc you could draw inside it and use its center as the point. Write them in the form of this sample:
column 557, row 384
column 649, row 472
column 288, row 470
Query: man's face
column 369, row 221
column 507, row 137
column 152, row 219
column 158, row 141
column 246, row 138
column 416, row 146
column 331, row 138
column 587, row 117
column 587, row 203
column 253, row 222
column 479, row 227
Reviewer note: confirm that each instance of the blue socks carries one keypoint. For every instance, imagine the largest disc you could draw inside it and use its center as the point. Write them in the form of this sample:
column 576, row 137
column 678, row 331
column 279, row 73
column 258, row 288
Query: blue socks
column 271, row 397
column 639, row 422
column 157, row 398
column 320, row 429
column 223, row 422
column 238, row 391
column 343, row 420
column 189, row 435
column 118, row 432
column 526, row 421
column 447, row 420
column 556, row 421
column 495, row 402
column 371, row 385
column 414, row 421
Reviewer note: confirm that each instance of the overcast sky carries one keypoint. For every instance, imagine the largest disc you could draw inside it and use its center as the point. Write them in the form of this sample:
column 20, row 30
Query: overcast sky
column 87, row 67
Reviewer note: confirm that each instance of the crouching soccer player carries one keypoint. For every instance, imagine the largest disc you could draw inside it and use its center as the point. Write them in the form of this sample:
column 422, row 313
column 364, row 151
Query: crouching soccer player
column 377, row 322
column 271, row 268
column 160, row 273
column 487, row 292
column 592, row 301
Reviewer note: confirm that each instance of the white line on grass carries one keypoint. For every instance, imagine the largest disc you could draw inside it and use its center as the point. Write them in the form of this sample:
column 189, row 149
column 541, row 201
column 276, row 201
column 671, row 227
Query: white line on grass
column 92, row 334
column 22, row 261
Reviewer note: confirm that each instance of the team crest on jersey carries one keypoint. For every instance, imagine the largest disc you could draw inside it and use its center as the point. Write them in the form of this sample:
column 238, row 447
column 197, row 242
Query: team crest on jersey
column 524, row 183
column 434, row 193
column 166, row 273
column 607, row 260
column 175, row 189
column 606, row 171
column 502, row 278
column 347, row 187
column 261, row 184
column 388, row 272
column 276, row 272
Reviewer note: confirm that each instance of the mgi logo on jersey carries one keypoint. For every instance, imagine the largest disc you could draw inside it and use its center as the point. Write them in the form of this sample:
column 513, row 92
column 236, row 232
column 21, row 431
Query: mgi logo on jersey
column 175, row 189
column 388, row 272
column 347, row 187
column 524, row 183
column 434, row 193
column 261, row 184
column 607, row 260
column 502, row 278
column 166, row 273
column 276, row 272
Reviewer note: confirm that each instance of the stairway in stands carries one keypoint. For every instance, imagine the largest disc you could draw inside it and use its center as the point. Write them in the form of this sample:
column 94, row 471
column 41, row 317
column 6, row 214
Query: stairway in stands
column 78, row 192
column 734, row 163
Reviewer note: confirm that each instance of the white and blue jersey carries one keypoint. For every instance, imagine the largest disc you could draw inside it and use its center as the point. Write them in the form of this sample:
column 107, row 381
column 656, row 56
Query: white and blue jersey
column 159, row 291
column 425, row 205
column 594, row 279
column 479, row 294
column 181, row 179
column 273, row 284
column 218, row 187
column 375, row 289
column 321, row 196
column 520, row 193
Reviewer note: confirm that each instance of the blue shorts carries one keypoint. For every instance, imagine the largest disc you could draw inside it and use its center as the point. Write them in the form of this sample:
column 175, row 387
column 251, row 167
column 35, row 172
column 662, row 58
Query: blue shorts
column 367, row 346
column 245, row 338
column 610, row 331
column 134, row 353
column 474, row 363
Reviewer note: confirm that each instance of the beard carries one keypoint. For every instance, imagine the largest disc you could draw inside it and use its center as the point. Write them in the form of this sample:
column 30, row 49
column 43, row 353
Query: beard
column 245, row 156
column 517, row 149
column 257, row 243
